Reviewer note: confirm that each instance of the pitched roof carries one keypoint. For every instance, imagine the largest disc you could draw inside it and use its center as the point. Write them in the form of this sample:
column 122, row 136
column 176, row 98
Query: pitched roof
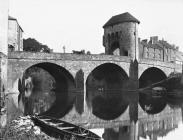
column 11, row 18
column 125, row 17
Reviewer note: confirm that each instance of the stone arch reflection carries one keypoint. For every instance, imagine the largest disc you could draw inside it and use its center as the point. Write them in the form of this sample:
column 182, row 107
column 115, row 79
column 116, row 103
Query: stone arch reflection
column 104, row 93
column 47, row 89
column 174, row 86
column 152, row 104
column 152, row 100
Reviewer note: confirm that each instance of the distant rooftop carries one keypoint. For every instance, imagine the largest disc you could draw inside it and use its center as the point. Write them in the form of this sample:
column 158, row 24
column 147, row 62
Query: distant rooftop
column 125, row 17
column 155, row 43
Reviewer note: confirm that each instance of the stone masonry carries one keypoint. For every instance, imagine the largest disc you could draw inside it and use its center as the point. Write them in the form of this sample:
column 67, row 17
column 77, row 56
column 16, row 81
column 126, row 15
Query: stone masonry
column 3, row 58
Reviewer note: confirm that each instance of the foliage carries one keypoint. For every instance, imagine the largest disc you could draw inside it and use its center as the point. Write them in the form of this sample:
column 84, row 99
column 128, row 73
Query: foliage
column 32, row 45
column 88, row 52
column 21, row 128
column 81, row 52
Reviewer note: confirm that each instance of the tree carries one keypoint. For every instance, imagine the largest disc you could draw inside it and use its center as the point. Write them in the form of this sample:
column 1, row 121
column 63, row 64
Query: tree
column 88, row 52
column 32, row 45
column 81, row 52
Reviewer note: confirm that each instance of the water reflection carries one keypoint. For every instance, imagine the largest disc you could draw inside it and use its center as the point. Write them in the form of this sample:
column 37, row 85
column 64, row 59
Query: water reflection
column 160, row 127
column 152, row 102
column 154, row 111
column 103, row 91
column 160, row 113
column 36, row 92
column 151, row 127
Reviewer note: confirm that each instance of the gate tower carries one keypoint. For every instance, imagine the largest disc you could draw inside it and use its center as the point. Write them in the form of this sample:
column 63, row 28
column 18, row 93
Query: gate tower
column 121, row 36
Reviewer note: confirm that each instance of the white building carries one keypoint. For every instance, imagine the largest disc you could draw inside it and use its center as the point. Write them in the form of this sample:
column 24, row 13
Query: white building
column 15, row 39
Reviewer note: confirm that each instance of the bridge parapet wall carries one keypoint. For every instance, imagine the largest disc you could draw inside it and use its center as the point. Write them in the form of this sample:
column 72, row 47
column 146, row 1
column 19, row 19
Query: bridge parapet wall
column 66, row 56
column 157, row 63
column 166, row 67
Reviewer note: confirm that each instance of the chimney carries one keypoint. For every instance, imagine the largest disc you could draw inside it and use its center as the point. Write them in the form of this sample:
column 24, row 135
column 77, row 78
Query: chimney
column 154, row 39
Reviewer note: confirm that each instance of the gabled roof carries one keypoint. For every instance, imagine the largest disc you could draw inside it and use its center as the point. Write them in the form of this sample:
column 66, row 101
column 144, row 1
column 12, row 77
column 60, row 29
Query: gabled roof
column 125, row 17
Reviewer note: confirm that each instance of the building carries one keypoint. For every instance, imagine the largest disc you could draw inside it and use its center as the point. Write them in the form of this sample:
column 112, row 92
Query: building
column 121, row 38
column 15, row 39
column 157, row 50
column 179, row 57
column 3, row 59
column 121, row 35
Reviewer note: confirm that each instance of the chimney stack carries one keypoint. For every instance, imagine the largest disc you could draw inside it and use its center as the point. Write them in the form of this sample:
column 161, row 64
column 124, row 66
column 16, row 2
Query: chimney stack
column 154, row 39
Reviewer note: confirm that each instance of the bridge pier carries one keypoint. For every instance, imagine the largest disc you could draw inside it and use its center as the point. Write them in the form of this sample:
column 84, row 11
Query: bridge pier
column 85, row 107
column 129, row 132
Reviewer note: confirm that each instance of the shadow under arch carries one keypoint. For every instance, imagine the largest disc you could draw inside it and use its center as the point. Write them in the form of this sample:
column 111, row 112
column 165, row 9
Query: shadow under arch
column 104, row 91
column 150, row 76
column 150, row 102
column 51, row 89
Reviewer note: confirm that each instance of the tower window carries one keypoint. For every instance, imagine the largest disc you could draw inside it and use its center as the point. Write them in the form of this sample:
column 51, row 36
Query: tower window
column 125, row 53
column 114, row 47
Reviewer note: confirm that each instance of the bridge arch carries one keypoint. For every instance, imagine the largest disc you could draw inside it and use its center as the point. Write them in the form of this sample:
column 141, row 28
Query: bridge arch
column 123, row 65
column 150, row 76
column 150, row 103
column 51, row 89
column 104, row 93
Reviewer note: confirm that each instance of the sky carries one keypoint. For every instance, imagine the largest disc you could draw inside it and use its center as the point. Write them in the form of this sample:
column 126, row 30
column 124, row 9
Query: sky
column 77, row 24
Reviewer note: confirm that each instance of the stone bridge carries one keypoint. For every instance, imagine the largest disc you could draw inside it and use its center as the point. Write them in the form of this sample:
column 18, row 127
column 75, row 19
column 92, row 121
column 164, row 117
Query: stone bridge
column 93, row 90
